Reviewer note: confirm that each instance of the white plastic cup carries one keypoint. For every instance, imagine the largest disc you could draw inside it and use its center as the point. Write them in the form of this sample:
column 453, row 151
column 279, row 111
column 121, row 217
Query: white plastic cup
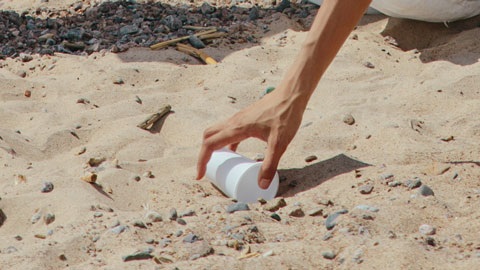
column 237, row 177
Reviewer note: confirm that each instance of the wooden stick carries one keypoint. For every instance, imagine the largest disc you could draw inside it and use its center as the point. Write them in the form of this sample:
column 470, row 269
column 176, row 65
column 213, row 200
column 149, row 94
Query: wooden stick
column 150, row 121
column 195, row 28
column 176, row 40
column 196, row 53
column 213, row 35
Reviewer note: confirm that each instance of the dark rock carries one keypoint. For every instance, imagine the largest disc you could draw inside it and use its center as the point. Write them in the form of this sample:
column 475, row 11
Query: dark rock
column 275, row 216
column 283, row 5
column 3, row 217
column 426, row 191
column 173, row 22
column 47, row 187
column 128, row 30
column 139, row 224
column 348, row 119
column 49, row 218
column 196, row 42
column 173, row 214
column 275, row 204
column 181, row 221
column 139, row 255
column 206, row 8
column 297, row 212
column 365, row 189
column 254, row 13
column 411, row 184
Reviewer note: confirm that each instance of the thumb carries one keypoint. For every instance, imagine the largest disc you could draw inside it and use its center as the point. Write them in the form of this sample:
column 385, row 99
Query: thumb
column 269, row 167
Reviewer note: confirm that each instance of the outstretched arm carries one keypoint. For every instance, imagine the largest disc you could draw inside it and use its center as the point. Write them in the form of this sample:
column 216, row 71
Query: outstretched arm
column 276, row 118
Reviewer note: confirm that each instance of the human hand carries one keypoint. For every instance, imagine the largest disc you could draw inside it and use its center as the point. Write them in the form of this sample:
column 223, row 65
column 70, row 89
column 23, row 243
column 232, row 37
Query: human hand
column 274, row 119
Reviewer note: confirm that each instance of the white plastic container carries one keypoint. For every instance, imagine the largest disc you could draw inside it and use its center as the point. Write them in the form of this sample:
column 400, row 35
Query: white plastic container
column 237, row 177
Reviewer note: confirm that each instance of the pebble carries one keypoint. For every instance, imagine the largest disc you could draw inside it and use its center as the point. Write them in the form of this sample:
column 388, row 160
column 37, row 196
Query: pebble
column 25, row 57
column 430, row 241
column 348, row 119
column 239, row 206
column 173, row 214
column 357, row 256
column 3, row 217
column 199, row 249
column 178, row 233
column 10, row 249
column 296, row 212
column 196, row 42
column 165, row 242
column 181, row 221
column 315, row 212
column 35, row 218
column 27, row 93
column 327, row 236
column 330, row 222
column 394, row 183
column 411, row 184
column 268, row 253
column 311, row 158
column 119, row 229
column 47, row 187
column 367, row 208
column 190, row 238
column 425, row 190
column 275, row 204
column 22, row 74
column 139, row 255
column 187, row 213
column 368, row 64
column 97, row 214
column 329, row 255
column 153, row 216
column 18, row 238
column 139, row 224
column 48, row 218
column 118, row 81
column 426, row 229
column 150, row 241
column 365, row 189
column 275, row 216
column 148, row 174
column 62, row 257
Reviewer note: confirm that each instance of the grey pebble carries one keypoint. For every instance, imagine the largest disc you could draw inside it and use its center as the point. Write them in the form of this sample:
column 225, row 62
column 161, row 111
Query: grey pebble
column 181, row 221
column 150, row 241
column 178, row 233
column 329, row 255
column 47, row 187
column 128, row 30
column 368, row 64
column 327, row 236
column 115, row 224
column 276, row 217
column 411, row 184
column 239, row 206
column 36, row 217
column 190, row 238
column 367, row 208
column 18, row 238
column 140, row 255
column 426, row 229
column 315, row 212
column 48, row 218
column 365, row 189
column 172, row 215
column 98, row 214
column 187, row 213
column 164, row 242
column 426, row 191
column 394, row 183
column 118, row 81
column 330, row 222
column 196, row 42
column 119, row 229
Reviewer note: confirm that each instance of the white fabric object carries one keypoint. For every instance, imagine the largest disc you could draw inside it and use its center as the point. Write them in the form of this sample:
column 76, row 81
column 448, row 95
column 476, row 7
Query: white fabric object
column 429, row 10
column 424, row 10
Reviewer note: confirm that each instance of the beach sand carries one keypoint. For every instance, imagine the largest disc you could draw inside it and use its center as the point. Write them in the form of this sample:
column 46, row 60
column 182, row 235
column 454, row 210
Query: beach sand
column 416, row 117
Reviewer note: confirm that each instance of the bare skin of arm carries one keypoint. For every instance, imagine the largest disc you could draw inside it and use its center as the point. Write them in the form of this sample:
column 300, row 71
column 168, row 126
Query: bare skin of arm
column 276, row 118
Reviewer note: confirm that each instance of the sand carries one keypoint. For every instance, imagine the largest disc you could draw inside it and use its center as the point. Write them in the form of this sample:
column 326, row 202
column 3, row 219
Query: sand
column 416, row 117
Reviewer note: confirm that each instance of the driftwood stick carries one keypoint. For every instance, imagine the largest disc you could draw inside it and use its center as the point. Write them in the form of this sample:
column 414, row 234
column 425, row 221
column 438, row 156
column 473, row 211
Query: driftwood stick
column 196, row 53
column 213, row 35
column 176, row 40
column 196, row 28
column 150, row 121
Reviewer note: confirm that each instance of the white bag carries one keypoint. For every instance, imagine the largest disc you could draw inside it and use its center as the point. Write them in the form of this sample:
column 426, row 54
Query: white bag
column 424, row 10
column 429, row 10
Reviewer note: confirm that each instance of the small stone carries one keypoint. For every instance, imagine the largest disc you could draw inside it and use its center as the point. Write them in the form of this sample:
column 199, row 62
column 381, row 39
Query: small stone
column 173, row 214
column 329, row 255
column 275, row 204
column 206, row 8
column 348, row 119
column 330, row 222
column 357, row 256
column 148, row 174
column 368, row 64
column 27, row 93
column 239, row 206
column 275, row 216
column 10, row 249
column 136, row 178
column 367, row 208
column 311, row 158
column 139, row 224
column 283, row 5
column 198, row 250
column 62, row 257
column 114, row 224
column 394, row 183
column 118, row 81
column 181, row 221
column 254, row 13
column 153, row 216
column 165, row 242
column 139, row 255
column 18, row 238
column 427, row 229
column 187, row 213
column 35, row 218
column 178, row 233
column 196, row 42
column 25, row 57
column 97, row 214
column 190, row 238
column 150, row 241
column 327, row 236
column 430, row 241
column 365, row 189
column 119, row 229
column 297, row 212
column 128, row 30
column 391, row 235
column 315, row 212
column 426, row 191
column 48, row 218
column 325, row 202
column 411, row 184
column 22, row 74
column 268, row 253
column 47, row 187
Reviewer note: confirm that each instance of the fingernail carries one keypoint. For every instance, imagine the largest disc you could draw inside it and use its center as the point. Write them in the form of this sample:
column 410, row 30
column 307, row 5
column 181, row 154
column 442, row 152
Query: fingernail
column 264, row 183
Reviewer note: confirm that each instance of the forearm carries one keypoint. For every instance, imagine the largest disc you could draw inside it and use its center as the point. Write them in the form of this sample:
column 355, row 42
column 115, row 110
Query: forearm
column 331, row 27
